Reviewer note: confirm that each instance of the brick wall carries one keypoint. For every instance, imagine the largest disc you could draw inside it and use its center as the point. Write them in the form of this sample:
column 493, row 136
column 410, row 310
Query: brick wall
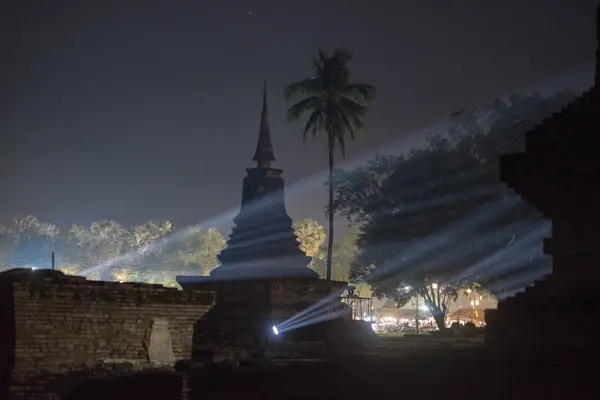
column 58, row 319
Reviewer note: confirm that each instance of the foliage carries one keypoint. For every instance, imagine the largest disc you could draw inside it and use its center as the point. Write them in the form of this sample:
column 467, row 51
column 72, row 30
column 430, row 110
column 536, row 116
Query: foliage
column 123, row 274
column 161, row 278
column 331, row 104
column 311, row 236
column 209, row 244
column 344, row 255
column 30, row 241
column 362, row 289
column 70, row 269
column 440, row 215
column 107, row 250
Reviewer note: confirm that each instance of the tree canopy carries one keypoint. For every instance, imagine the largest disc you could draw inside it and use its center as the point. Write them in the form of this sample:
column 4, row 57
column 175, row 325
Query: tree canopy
column 440, row 216
column 147, row 252
column 311, row 235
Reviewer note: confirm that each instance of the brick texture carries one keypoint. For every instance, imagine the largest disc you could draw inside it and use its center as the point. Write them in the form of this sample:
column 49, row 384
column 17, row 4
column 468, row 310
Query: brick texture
column 58, row 319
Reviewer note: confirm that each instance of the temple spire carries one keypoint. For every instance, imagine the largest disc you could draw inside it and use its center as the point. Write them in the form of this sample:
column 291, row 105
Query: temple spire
column 264, row 148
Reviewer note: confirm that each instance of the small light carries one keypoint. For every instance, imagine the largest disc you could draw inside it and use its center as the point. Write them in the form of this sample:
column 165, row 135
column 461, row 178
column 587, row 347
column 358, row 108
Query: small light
column 275, row 330
column 33, row 268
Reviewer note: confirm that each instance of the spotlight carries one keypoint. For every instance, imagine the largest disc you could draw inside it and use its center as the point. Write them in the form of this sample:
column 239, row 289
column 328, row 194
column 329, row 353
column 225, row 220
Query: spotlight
column 275, row 330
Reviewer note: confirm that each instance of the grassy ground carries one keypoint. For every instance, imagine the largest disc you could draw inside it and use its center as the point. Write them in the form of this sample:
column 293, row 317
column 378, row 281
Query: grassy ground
column 390, row 334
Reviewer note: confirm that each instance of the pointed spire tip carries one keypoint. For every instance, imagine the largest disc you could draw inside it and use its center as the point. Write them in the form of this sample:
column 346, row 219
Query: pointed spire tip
column 264, row 148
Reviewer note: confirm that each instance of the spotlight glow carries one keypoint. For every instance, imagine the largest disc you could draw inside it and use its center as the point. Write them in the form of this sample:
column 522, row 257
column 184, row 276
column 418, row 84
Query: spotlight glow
column 275, row 330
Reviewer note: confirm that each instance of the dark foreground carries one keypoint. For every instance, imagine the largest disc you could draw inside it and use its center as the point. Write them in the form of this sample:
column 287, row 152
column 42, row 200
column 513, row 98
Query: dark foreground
column 425, row 374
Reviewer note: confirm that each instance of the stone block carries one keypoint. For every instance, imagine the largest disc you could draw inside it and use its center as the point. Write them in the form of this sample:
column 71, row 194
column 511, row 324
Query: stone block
column 160, row 345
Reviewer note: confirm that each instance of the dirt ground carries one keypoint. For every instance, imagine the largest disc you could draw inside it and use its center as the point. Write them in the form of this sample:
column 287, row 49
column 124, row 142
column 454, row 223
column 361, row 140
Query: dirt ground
column 457, row 374
column 394, row 369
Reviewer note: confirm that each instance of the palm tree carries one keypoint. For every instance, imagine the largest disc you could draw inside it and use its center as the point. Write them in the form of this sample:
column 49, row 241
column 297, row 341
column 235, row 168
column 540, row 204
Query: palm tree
column 332, row 105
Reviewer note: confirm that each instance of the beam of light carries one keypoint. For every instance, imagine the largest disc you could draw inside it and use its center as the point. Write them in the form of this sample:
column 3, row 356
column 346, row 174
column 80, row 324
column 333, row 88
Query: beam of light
column 301, row 187
column 421, row 247
column 275, row 330
column 488, row 189
column 515, row 283
column 537, row 265
column 461, row 249
column 313, row 308
column 486, row 267
column 265, row 204
column 322, row 309
column 307, row 317
column 516, row 261
column 322, row 318
column 515, row 279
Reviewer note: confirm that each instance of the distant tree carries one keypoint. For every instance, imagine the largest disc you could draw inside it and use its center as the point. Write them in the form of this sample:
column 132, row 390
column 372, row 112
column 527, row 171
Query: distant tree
column 109, row 240
column 311, row 235
column 344, row 259
column 196, row 251
column 70, row 269
column 146, row 244
column 160, row 278
column 74, row 248
column 95, row 276
column 211, row 243
column 362, row 289
column 344, row 255
column 124, row 275
column 439, row 216
column 146, row 238
column 330, row 106
column 34, row 242
column 107, row 250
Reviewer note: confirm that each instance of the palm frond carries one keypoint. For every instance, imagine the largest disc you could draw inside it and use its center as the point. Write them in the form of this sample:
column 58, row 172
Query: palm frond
column 314, row 123
column 344, row 127
column 322, row 54
column 352, row 107
column 360, row 91
column 318, row 63
column 303, row 106
column 308, row 86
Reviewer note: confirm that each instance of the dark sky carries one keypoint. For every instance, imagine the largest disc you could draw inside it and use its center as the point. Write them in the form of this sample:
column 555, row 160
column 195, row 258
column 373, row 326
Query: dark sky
column 132, row 110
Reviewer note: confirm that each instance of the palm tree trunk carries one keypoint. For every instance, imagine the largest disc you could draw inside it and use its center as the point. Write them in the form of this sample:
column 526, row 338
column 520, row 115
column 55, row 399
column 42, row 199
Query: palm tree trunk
column 330, row 238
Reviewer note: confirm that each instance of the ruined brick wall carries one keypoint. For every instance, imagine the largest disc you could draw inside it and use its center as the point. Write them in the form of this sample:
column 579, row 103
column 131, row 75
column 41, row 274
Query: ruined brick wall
column 60, row 319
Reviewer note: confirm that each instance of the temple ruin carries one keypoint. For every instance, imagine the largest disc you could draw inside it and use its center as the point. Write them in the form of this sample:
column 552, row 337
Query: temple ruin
column 559, row 174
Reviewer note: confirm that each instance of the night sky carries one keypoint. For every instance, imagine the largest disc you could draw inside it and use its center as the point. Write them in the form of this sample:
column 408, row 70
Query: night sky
column 132, row 110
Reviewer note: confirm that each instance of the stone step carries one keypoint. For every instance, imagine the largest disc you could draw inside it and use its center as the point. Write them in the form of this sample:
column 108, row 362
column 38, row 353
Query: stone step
column 537, row 289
